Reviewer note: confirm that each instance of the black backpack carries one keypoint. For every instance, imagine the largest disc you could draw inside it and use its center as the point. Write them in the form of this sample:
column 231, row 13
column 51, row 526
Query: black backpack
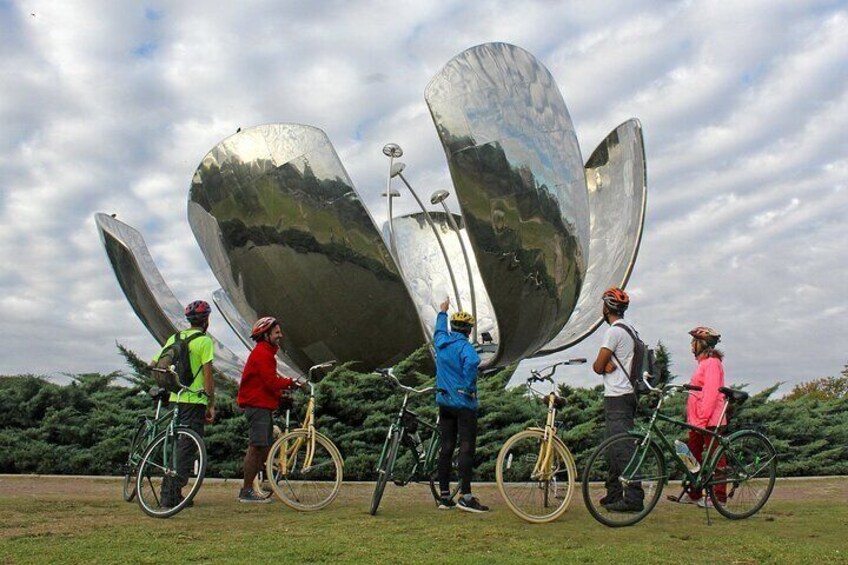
column 177, row 354
column 644, row 363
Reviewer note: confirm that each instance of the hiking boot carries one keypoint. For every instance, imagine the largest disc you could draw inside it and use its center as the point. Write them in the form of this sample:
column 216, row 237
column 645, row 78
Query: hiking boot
column 446, row 504
column 249, row 495
column 625, row 506
column 472, row 505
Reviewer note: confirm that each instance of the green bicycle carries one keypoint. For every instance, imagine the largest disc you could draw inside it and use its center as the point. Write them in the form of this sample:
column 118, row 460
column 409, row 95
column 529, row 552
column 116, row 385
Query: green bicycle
column 165, row 457
column 425, row 455
column 738, row 471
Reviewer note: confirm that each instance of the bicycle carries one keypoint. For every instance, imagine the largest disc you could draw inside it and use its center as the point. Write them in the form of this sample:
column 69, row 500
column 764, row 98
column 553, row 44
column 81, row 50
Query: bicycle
column 146, row 430
column 535, row 471
column 304, row 468
column 173, row 459
column 738, row 475
column 425, row 456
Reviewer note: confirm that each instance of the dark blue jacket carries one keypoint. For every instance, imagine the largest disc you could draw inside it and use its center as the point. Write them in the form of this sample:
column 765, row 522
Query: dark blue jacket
column 456, row 367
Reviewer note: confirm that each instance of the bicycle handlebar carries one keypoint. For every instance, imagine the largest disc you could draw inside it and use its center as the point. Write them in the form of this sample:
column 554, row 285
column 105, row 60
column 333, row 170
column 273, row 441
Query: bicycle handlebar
column 183, row 388
column 387, row 373
column 537, row 376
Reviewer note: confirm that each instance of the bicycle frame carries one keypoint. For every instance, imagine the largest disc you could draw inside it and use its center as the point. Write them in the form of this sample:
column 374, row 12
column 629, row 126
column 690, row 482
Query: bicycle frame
column 288, row 452
column 704, row 476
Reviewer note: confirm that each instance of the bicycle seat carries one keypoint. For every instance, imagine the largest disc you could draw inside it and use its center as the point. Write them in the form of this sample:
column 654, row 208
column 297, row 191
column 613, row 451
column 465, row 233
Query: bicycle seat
column 734, row 396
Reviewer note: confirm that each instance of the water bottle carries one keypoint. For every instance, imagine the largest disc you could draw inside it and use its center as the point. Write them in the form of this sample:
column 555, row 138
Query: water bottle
column 686, row 456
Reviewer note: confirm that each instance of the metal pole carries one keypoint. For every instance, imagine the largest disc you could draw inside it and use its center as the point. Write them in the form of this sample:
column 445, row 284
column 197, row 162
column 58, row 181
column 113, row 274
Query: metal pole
column 439, row 197
column 438, row 237
column 392, row 151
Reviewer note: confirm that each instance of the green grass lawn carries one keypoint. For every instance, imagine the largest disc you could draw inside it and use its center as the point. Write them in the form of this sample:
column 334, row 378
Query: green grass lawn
column 58, row 520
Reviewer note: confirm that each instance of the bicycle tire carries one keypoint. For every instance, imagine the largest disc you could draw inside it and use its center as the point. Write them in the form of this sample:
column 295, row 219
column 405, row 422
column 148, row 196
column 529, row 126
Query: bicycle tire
column 534, row 500
column 131, row 467
column 384, row 471
column 157, row 471
column 650, row 469
column 261, row 486
column 750, row 473
column 435, row 489
column 300, row 488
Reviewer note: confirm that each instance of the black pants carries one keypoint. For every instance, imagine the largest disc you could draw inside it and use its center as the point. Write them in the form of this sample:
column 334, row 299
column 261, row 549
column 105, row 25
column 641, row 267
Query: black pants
column 619, row 413
column 193, row 416
column 456, row 423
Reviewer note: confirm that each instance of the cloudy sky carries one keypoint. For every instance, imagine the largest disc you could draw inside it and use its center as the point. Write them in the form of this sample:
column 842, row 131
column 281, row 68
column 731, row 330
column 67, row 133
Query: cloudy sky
column 109, row 107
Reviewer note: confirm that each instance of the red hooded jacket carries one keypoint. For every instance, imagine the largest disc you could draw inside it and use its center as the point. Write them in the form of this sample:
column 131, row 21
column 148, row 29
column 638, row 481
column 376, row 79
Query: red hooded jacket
column 260, row 386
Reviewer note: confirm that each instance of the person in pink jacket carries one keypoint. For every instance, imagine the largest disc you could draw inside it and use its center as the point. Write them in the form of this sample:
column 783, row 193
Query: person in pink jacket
column 704, row 408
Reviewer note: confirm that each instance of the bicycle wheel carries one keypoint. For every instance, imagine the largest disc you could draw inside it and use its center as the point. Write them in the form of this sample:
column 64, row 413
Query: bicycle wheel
column 131, row 466
column 534, row 494
column 301, row 484
column 623, row 480
column 261, row 485
column 384, row 471
column 749, row 475
column 169, row 465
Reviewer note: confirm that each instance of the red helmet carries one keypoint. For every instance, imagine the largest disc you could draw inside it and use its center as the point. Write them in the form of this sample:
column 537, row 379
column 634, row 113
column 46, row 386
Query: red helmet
column 198, row 311
column 708, row 335
column 616, row 300
column 262, row 326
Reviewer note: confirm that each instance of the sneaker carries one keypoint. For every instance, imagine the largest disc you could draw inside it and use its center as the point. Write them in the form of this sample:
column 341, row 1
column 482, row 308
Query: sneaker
column 705, row 502
column 472, row 505
column 446, row 504
column 248, row 495
column 625, row 506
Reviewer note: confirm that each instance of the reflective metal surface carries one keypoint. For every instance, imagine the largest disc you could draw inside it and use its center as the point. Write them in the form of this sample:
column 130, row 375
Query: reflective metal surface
column 242, row 329
column 617, row 182
column 286, row 235
column 519, row 179
column 426, row 272
column 145, row 289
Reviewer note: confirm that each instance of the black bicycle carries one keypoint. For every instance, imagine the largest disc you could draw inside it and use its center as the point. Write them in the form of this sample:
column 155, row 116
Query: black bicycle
column 425, row 454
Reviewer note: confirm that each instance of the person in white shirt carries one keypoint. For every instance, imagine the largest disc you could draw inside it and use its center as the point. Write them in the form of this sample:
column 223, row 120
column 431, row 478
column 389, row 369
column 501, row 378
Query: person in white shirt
column 613, row 363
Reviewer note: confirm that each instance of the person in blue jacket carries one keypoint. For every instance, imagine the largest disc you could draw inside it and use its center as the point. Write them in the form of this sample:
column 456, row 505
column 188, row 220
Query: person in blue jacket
column 456, row 374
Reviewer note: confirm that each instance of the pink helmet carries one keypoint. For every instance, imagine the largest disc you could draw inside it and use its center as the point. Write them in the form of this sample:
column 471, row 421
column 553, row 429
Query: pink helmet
column 262, row 326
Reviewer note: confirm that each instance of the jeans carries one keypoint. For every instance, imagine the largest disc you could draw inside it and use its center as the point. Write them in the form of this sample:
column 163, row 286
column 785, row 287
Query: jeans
column 457, row 423
column 619, row 413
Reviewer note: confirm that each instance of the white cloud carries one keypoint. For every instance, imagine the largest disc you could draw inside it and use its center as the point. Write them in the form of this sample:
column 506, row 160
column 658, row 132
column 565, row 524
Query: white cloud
column 110, row 107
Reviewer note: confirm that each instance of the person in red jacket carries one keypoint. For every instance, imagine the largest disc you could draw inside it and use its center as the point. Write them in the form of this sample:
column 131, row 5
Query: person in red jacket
column 259, row 395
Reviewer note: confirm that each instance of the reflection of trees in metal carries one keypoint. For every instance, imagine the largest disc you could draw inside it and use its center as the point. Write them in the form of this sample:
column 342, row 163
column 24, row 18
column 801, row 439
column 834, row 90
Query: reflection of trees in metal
column 288, row 236
column 518, row 175
column 146, row 290
column 617, row 183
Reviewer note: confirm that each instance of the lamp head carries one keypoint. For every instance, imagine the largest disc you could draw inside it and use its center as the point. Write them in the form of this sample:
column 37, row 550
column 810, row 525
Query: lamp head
column 439, row 196
column 394, row 193
column 392, row 150
column 397, row 168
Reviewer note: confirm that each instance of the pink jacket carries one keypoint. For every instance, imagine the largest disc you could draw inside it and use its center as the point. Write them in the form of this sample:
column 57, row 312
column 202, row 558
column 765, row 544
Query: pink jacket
column 704, row 408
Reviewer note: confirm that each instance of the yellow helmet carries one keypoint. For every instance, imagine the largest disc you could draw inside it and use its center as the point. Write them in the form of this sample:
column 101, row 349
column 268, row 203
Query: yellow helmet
column 462, row 318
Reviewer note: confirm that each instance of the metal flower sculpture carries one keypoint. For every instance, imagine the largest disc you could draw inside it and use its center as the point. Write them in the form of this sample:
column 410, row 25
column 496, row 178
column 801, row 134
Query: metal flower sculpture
column 539, row 236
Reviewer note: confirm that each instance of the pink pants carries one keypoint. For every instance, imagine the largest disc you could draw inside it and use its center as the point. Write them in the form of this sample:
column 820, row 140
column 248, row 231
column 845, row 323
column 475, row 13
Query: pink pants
column 697, row 443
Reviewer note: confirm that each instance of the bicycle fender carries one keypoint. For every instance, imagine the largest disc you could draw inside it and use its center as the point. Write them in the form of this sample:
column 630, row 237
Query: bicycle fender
column 330, row 442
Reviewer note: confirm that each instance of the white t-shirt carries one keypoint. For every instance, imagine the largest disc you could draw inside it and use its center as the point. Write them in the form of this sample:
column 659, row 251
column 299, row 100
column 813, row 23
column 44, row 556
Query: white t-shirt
column 619, row 342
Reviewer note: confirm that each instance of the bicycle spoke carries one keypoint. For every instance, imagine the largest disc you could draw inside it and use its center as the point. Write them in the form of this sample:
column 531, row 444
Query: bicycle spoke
column 310, row 487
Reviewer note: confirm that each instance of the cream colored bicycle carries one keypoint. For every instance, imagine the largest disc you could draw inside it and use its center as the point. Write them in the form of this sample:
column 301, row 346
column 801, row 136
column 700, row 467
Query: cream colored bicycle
column 535, row 471
column 304, row 468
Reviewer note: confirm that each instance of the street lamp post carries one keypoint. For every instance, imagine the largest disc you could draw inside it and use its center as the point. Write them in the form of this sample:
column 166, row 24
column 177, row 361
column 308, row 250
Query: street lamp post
column 439, row 197
column 397, row 171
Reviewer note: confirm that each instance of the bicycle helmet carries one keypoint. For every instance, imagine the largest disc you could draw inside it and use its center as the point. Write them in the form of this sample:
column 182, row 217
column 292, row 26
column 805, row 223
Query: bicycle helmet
column 198, row 311
column 616, row 300
column 262, row 326
column 462, row 322
column 707, row 335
